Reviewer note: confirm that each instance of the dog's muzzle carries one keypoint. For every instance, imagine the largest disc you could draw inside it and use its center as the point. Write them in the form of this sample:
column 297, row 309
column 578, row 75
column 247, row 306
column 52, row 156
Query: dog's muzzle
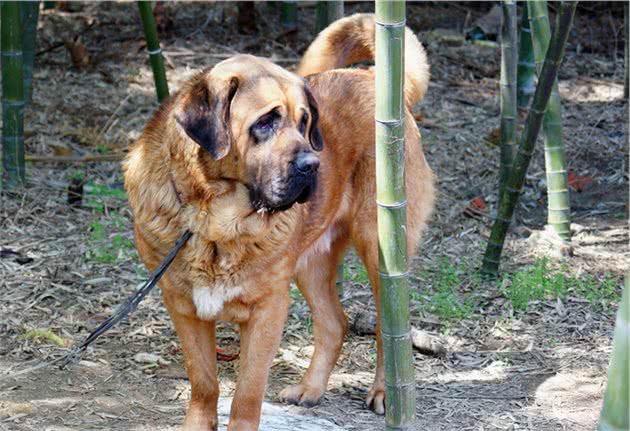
column 298, row 186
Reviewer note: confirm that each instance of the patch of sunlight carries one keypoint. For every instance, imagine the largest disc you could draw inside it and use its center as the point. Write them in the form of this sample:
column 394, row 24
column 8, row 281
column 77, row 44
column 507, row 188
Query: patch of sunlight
column 574, row 395
column 590, row 91
column 495, row 371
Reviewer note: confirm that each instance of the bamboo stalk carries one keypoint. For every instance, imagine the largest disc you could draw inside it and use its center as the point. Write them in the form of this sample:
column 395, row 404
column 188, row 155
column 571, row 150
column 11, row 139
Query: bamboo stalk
column 400, row 388
column 288, row 15
column 153, row 46
column 246, row 18
column 29, row 14
column 508, row 91
column 615, row 416
column 490, row 265
column 12, row 97
column 335, row 10
column 340, row 278
column 626, row 18
column 526, row 72
column 327, row 12
column 558, row 205
column 321, row 16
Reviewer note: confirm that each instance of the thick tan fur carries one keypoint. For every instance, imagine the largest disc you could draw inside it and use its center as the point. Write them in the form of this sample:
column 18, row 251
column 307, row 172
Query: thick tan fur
column 351, row 40
column 239, row 262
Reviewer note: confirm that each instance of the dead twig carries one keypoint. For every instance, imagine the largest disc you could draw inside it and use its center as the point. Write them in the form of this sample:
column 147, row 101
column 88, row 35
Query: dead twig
column 425, row 343
column 74, row 159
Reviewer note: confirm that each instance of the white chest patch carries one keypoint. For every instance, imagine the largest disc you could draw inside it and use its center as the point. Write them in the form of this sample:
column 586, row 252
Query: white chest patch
column 209, row 301
column 319, row 247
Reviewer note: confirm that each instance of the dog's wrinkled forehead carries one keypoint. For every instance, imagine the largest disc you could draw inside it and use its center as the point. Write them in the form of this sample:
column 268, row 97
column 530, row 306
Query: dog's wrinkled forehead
column 244, row 66
column 262, row 85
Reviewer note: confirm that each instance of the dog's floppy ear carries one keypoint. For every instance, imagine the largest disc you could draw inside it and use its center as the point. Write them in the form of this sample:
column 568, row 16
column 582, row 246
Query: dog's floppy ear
column 205, row 117
column 314, row 135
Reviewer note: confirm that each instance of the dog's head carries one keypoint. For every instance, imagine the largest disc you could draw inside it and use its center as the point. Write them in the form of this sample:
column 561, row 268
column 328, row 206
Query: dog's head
column 260, row 119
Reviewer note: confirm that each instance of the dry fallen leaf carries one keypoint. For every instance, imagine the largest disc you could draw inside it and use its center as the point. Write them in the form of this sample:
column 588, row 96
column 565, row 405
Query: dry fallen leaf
column 579, row 183
column 78, row 53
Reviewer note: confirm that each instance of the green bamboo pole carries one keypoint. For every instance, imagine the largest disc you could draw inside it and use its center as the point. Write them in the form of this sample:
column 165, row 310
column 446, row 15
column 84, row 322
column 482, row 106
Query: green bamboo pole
column 626, row 18
column 508, row 91
column 336, row 10
column 321, row 16
column 558, row 206
column 327, row 12
column 12, row 97
column 400, row 390
column 492, row 256
column 153, row 46
column 288, row 15
column 526, row 72
column 614, row 416
column 29, row 14
column 340, row 278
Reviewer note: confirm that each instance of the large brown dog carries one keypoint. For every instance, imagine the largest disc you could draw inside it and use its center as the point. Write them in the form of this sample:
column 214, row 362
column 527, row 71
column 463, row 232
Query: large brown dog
column 274, row 175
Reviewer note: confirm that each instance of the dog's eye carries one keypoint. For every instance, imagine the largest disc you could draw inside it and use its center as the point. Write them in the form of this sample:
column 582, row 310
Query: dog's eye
column 265, row 125
column 303, row 123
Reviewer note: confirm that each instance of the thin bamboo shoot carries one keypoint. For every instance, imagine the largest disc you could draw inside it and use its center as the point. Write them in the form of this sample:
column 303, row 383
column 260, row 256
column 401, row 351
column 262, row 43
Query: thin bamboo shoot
column 508, row 91
column 155, row 52
column 12, row 97
column 526, row 72
column 29, row 14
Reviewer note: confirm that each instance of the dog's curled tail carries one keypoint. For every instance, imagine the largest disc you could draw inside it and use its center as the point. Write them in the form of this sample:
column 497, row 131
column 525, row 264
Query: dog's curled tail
column 350, row 40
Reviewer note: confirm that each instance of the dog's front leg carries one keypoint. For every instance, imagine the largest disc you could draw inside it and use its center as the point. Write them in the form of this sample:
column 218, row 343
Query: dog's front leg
column 260, row 338
column 197, row 338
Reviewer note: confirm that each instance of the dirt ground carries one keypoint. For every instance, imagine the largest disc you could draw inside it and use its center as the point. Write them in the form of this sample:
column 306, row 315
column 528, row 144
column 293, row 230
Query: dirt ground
column 63, row 270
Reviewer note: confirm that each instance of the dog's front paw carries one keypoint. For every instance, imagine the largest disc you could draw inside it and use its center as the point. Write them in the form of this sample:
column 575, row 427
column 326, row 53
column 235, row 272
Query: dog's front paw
column 375, row 399
column 200, row 419
column 301, row 395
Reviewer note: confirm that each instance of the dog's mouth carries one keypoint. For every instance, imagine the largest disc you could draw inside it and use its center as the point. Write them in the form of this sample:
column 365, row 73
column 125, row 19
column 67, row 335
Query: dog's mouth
column 300, row 195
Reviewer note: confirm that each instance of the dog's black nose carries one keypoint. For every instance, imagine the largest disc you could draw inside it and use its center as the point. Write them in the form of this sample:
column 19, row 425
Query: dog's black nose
column 307, row 163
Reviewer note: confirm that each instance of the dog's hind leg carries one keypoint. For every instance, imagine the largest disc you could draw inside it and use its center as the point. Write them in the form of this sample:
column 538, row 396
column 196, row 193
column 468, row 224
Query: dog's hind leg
column 316, row 278
column 365, row 246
